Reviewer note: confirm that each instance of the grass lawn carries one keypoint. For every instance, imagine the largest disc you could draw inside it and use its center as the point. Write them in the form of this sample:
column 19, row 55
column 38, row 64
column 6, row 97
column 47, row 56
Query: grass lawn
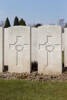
column 26, row 90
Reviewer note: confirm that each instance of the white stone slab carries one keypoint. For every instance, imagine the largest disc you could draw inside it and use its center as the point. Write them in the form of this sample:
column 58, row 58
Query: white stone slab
column 17, row 49
column 48, row 49
column 63, row 41
column 65, row 47
column 34, row 42
column 1, row 49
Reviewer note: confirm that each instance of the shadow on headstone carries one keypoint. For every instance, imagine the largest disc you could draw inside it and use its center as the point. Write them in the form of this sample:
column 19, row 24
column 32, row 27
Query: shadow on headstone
column 5, row 68
column 64, row 69
column 34, row 66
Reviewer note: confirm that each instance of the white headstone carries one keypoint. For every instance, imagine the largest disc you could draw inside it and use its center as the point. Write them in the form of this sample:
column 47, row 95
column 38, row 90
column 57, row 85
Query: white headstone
column 17, row 49
column 63, row 41
column 34, row 50
column 65, row 47
column 48, row 51
column 1, row 49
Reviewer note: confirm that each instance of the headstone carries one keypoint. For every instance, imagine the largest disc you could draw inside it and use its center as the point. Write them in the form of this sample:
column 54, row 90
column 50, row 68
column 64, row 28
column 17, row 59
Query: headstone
column 1, row 49
column 48, row 51
column 63, row 41
column 65, row 47
column 34, row 40
column 17, row 49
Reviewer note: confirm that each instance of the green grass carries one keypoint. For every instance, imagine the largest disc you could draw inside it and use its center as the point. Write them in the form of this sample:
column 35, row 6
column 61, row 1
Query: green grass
column 26, row 90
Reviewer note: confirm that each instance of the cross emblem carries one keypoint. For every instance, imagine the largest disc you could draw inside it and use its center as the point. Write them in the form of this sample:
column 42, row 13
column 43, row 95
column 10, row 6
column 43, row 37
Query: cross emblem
column 18, row 46
column 49, row 47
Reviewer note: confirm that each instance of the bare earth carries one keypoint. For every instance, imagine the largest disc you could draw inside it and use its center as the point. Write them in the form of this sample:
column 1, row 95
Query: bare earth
column 34, row 77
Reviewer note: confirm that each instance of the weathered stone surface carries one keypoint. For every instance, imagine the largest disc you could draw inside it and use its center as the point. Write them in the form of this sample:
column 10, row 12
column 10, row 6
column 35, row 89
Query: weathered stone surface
column 47, row 50
column 17, row 49
column 1, row 49
column 43, row 45
column 34, row 42
column 63, row 41
column 65, row 47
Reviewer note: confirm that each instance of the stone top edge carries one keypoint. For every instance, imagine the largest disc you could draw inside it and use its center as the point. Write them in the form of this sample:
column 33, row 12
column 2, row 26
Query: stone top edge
column 47, row 26
column 65, row 28
column 44, row 26
column 35, row 27
column 50, row 26
column 18, row 27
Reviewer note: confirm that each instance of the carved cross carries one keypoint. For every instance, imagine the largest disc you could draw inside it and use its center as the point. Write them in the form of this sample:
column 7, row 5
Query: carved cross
column 48, row 47
column 18, row 46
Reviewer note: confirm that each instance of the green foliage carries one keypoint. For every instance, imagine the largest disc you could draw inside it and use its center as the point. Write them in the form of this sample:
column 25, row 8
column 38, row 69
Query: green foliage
column 16, row 21
column 22, row 22
column 7, row 23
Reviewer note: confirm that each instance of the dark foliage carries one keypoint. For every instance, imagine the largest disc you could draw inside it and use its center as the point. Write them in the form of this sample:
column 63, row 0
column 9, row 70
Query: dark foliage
column 16, row 21
column 22, row 22
column 7, row 23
